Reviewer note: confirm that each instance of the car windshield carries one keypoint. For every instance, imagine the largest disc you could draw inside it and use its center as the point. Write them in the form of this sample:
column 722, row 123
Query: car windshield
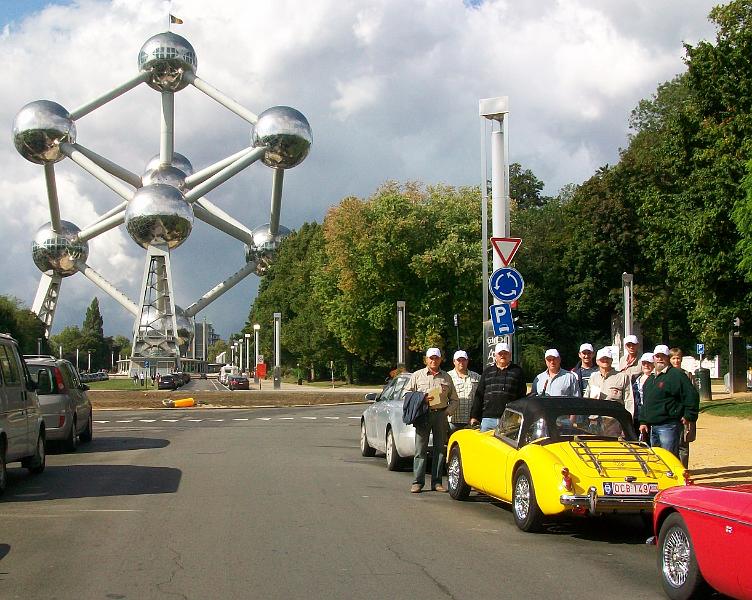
column 590, row 424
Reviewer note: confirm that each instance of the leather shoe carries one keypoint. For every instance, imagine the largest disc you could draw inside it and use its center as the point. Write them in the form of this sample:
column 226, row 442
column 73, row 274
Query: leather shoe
column 439, row 488
column 415, row 488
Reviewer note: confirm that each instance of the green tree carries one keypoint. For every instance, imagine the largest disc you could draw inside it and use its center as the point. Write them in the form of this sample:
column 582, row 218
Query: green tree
column 525, row 188
column 22, row 324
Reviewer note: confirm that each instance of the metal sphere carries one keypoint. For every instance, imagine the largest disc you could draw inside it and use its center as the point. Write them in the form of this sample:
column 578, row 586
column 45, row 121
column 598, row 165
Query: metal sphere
column 38, row 130
column 158, row 214
column 178, row 161
column 286, row 134
column 58, row 252
column 264, row 247
column 167, row 56
column 167, row 175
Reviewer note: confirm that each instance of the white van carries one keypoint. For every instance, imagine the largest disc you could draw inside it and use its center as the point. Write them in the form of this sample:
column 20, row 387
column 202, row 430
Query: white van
column 226, row 371
column 22, row 434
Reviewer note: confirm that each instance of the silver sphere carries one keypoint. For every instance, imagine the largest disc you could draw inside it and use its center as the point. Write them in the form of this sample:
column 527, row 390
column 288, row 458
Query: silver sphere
column 167, row 56
column 264, row 247
column 178, row 161
column 58, row 252
column 38, row 130
column 286, row 134
column 158, row 214
column 167, row 175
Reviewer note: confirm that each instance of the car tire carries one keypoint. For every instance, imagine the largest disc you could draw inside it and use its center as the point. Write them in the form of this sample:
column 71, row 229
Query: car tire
column 365, row 447
column 527, row 514
column 393, row 459
column 88, row 433
column 71, row 441
column 680, row 574
column 458, row 488
column 3, row 471
column 38, row 461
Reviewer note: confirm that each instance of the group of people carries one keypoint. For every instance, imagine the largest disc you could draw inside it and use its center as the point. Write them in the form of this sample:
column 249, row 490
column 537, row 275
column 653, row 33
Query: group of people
column 657, row 392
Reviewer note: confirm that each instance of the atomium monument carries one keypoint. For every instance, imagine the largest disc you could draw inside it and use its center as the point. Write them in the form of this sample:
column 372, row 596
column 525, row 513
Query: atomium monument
column 158, row 207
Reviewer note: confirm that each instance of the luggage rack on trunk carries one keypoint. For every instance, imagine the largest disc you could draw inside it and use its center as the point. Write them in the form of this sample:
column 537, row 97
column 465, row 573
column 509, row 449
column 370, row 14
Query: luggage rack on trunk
column 618, row 453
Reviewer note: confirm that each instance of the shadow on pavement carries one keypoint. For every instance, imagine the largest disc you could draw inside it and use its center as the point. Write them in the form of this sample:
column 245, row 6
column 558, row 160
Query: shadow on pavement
column 90, row 481
column 116, row 444
column 722, row 476
column 4, row 550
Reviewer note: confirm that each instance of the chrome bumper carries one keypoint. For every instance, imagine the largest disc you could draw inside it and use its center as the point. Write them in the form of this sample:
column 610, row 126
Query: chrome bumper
column 597, row 504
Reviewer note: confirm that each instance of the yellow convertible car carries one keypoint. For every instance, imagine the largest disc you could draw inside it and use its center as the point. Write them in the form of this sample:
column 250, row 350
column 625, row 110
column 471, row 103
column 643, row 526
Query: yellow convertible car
column 553, row 455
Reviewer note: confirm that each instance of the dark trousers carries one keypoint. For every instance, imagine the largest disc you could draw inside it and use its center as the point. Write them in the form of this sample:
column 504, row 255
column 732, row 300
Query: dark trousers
column 438, row 425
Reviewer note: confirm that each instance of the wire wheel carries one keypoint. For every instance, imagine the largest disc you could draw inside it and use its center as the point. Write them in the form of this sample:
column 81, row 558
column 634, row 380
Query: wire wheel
column 675, row 557
column 522, row 498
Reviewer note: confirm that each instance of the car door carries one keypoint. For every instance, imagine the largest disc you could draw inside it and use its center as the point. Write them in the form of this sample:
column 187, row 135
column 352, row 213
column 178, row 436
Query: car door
column 499, row 449
column 381, row 414
column 16, row 425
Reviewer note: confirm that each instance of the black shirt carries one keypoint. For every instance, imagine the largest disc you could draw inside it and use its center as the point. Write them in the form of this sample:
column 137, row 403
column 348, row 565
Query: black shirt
column 496, row 388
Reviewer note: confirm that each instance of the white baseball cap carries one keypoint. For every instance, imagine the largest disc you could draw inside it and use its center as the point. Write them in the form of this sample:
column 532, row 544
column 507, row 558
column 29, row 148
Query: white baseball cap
column 552, row 352
column 586, row 347
column 660, row 349
column 604, row 353
column 501, row 347
column 631, row 339
column 647, row 357
column 460, row 354
column 433, row 352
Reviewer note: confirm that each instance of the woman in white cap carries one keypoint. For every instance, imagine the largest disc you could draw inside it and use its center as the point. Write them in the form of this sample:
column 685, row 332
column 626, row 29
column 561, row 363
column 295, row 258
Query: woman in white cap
column 609, row 384
column 638, row 381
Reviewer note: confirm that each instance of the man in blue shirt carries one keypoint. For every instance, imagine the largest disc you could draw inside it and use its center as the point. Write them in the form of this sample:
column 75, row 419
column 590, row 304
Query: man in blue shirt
column 555, row 381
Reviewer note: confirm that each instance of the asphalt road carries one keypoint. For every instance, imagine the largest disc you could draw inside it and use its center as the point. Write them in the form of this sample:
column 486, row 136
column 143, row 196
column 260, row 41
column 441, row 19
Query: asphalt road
column 278, row 503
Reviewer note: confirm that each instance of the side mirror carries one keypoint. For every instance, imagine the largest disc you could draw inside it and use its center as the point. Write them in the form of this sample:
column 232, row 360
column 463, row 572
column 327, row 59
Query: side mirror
column 371, row 397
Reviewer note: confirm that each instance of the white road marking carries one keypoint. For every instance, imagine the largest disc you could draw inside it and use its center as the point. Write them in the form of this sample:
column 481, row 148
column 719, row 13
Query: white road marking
column 194, row 420
column 147, row 420
column 286, row 418
column 217, row 420
column 169, row 420
column 310, row 418
column 331, row 417
column 353, row 417
column 126, row 421
column 101, row 421
column 263, row 418
column 241, row 419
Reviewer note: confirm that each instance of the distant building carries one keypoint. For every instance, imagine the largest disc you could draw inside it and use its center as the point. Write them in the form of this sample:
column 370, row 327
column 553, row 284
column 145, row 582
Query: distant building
column 198, row 348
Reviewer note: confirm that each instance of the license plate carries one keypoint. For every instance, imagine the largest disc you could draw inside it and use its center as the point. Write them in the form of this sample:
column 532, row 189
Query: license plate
column 626, row 488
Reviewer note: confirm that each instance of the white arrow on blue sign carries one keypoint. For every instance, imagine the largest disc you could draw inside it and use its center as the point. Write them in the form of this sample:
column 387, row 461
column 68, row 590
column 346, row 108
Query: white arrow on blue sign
column 506, row 284
column 501, row 318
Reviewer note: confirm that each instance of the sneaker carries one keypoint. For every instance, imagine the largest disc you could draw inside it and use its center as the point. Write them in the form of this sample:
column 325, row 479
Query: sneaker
column 439, row 488
column 415, row 488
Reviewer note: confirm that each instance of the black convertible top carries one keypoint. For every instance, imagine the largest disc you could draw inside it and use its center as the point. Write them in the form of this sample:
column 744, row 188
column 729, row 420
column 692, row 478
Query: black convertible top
column 535, row 407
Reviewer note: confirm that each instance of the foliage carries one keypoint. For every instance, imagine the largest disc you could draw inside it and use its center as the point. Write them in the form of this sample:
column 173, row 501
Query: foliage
column 216, row 348
column 22, row 324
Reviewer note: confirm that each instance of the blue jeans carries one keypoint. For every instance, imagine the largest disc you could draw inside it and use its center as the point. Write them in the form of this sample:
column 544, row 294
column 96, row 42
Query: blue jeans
column 488, row 423
column 667, row 436
column 437, row 423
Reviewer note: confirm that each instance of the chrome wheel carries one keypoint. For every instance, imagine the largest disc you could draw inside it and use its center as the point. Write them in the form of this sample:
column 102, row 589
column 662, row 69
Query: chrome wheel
column 453, row 472
column 389, row 448
column 676, row 557
column 522, row 498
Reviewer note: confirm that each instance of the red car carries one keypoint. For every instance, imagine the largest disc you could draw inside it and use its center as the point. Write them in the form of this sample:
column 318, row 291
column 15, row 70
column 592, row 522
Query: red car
column 704, row 538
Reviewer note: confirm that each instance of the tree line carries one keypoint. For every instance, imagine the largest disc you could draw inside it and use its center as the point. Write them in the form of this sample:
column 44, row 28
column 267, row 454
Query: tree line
column 675, row 210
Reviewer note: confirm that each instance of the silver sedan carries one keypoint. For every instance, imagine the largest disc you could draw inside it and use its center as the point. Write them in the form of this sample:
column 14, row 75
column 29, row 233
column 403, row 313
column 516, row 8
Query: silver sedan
column 381, row 426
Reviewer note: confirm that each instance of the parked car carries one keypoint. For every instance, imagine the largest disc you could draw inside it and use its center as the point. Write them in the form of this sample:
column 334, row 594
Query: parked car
column 22, row 431
column 63, row 401
column 381, row 426
column 556, row 455
column 167, row 382
column 703, row 535
column 202, row 376
column 238, row 382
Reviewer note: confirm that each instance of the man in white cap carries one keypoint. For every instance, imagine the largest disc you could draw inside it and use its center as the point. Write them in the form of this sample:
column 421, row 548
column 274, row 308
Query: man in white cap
column 434, row 382
column 670, row 402
column 608, row 384
column 629, row 362
column 585, row 368
column 465, row 382
column 555, row 381
column 500, row 383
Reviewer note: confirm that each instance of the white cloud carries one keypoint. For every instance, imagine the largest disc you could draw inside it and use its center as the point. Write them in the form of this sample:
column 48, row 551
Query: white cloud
column 391, row 90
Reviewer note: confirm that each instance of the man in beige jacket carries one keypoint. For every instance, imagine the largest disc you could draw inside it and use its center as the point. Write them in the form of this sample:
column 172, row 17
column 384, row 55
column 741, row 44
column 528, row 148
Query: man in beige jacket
column 609, row 384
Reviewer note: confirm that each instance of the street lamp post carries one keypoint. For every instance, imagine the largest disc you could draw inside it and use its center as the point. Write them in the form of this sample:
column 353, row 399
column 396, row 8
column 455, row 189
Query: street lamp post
column 77, row 353
column 457, row 328
column 88, row 366
column 39, row 345
column 277, row 350
column 247, row 337
column 256, row 329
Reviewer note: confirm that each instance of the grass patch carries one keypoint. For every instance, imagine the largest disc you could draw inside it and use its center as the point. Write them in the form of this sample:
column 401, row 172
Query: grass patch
column 119, row 385
column 741, row 408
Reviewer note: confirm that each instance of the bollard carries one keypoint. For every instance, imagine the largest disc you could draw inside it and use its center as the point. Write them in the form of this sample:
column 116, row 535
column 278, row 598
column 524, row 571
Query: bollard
column 702, row 382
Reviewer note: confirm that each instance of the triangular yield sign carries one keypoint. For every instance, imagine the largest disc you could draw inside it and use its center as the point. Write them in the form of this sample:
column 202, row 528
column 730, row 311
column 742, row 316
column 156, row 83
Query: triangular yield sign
column 506, row 248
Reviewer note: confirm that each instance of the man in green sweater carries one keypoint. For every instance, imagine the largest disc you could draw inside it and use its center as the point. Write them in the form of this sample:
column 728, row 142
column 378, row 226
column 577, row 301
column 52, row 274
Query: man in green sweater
column 669, row 402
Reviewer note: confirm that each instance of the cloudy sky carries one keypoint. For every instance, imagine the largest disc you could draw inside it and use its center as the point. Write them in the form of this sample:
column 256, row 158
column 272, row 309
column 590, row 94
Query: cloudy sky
column 390, row 87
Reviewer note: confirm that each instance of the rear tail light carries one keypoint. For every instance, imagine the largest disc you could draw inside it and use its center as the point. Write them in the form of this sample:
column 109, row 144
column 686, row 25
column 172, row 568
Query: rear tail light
column 566, row 480
column 688, row 478
column 59, row 380
column 61, row 420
